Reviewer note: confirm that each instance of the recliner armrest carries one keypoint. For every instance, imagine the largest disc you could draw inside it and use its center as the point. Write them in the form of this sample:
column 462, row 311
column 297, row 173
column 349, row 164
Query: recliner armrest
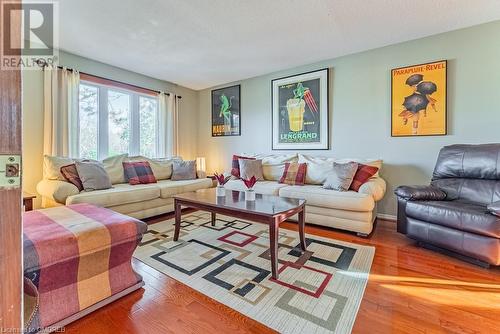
column 494, row 208
column 420, row 193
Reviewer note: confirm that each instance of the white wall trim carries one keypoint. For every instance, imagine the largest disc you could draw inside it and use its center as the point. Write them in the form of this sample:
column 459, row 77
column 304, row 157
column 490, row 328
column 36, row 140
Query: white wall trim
column 386, row 217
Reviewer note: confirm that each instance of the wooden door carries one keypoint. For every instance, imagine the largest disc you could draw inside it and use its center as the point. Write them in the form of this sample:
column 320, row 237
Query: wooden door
column 10, row 199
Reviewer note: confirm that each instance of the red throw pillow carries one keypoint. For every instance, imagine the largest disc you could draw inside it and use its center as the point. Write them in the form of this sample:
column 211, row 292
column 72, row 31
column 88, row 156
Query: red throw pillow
column 363, row 174
column 294, row 174
column 138, row 172
column 71, row 175
column 235, row 167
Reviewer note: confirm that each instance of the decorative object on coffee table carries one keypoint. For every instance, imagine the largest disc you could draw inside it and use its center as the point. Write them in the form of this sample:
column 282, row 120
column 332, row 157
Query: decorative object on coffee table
column 268, row 209
column 250, row 193
column 28, row 201
column 300, row 112
column 221, row 180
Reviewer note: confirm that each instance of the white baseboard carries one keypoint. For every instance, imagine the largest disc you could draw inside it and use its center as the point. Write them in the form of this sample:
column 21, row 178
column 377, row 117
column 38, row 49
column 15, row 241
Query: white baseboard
column 386, row 217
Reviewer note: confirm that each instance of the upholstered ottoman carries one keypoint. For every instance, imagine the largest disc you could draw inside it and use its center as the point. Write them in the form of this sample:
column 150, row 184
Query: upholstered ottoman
column 77, row 258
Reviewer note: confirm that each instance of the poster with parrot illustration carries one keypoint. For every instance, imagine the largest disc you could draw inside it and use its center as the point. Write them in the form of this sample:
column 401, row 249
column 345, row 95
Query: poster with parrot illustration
column 419, row 100
column 300, row 112
column 226, row 111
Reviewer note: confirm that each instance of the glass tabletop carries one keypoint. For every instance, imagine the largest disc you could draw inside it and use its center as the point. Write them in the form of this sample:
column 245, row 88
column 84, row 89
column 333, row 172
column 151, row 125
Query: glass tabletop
column 263, row 204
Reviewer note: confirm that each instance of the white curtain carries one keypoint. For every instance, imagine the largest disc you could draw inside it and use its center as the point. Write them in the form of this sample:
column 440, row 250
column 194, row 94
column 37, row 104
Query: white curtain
column 61, row 89
column 168, row 145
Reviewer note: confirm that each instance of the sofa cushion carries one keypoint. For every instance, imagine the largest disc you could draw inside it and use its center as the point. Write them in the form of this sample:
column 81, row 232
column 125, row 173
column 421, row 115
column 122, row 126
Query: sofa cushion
column 340, row 178
column 52, row 167
column 235, row 164
column 71, row 175
column 273, row 165
column 317, row 196
column 183, row 170
column 456, row 214
column 250, row 168
column 261, row 187
column 169, row 188
column 162, row 168
column 363, row 174
column 294, row 174
column 93, row 175
column 114, row 167
column 138, row 172
column 119, row 194
column 370, row 162
column 317, row 168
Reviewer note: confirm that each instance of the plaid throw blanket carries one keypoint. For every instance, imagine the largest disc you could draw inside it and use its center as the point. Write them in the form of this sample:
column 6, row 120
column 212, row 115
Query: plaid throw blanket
column 74, row 257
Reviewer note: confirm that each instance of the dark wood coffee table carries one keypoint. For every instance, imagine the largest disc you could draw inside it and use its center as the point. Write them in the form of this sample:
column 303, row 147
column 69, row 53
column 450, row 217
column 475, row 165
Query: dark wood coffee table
column 266, row 209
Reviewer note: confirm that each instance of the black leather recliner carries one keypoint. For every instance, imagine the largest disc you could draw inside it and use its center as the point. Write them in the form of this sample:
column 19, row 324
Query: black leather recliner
column 459, row 211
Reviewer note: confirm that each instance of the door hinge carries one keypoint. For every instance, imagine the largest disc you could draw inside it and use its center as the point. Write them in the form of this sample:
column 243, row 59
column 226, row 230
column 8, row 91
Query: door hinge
column 10, row 171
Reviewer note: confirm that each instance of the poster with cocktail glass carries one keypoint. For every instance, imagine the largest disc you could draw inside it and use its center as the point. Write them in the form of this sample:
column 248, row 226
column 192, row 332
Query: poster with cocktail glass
column 300, row 112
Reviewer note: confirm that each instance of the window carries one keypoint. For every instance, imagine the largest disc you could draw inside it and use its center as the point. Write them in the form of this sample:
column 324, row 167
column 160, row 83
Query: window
column 115, row 120
column 118, row 122
column 89, row 106
column 148, row 120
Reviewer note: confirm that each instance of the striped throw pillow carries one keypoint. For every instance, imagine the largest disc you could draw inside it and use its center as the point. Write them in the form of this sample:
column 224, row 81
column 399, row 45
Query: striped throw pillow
column 363, row 174
column 138, row 172
column 294, row 174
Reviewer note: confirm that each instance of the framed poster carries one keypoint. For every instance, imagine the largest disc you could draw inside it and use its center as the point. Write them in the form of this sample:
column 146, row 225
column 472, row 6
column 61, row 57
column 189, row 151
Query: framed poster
column 226, row 114
column 300, row 112
column 418, row 100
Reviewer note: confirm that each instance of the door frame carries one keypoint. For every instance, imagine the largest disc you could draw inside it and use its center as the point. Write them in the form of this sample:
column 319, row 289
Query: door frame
column 10, row 198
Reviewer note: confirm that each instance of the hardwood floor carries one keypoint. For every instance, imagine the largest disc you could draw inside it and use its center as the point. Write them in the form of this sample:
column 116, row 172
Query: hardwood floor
column 410, row 290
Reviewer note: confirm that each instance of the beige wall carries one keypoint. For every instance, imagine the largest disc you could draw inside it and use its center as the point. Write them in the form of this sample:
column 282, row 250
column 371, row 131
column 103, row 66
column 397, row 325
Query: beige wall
column 360, row 106
column 33, row 111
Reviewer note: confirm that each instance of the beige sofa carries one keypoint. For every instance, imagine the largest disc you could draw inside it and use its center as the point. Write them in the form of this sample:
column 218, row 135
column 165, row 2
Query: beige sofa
column 139, row 201
column 350, row 210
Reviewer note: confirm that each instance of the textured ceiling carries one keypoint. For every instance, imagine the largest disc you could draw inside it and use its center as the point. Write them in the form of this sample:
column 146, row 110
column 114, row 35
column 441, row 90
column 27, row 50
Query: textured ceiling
column 202, row 43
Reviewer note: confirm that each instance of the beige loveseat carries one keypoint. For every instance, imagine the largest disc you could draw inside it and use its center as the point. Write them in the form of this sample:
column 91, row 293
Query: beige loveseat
column 350, row 210
column 139, row 201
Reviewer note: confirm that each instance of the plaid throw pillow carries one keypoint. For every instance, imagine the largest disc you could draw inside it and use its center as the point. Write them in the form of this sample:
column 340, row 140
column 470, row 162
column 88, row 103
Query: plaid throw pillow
column 363, row 174
column 71, row 175
column 235, row 168
column 138, row 172
column 294, row 174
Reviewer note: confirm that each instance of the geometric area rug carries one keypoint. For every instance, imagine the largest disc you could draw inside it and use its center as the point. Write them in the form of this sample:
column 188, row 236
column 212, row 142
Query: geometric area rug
column 318, row 291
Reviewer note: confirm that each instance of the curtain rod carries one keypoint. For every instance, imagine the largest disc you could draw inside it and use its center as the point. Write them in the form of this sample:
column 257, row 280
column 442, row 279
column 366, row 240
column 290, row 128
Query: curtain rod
column 120, row 82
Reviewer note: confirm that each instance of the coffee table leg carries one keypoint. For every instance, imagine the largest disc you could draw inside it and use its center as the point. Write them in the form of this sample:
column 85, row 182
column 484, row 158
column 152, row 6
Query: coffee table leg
column 177, row 221
column 213, row 218
column 273, row 239
column 302, row 223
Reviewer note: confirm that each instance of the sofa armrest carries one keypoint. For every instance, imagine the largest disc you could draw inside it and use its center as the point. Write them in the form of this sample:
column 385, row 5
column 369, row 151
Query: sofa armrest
column 494, row 208
column 56, row 190
column 376, row 187
column 420, row 193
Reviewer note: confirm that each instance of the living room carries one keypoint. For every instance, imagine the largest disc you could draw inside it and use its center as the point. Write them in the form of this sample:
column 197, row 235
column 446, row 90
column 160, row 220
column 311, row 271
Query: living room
column 232, row 170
